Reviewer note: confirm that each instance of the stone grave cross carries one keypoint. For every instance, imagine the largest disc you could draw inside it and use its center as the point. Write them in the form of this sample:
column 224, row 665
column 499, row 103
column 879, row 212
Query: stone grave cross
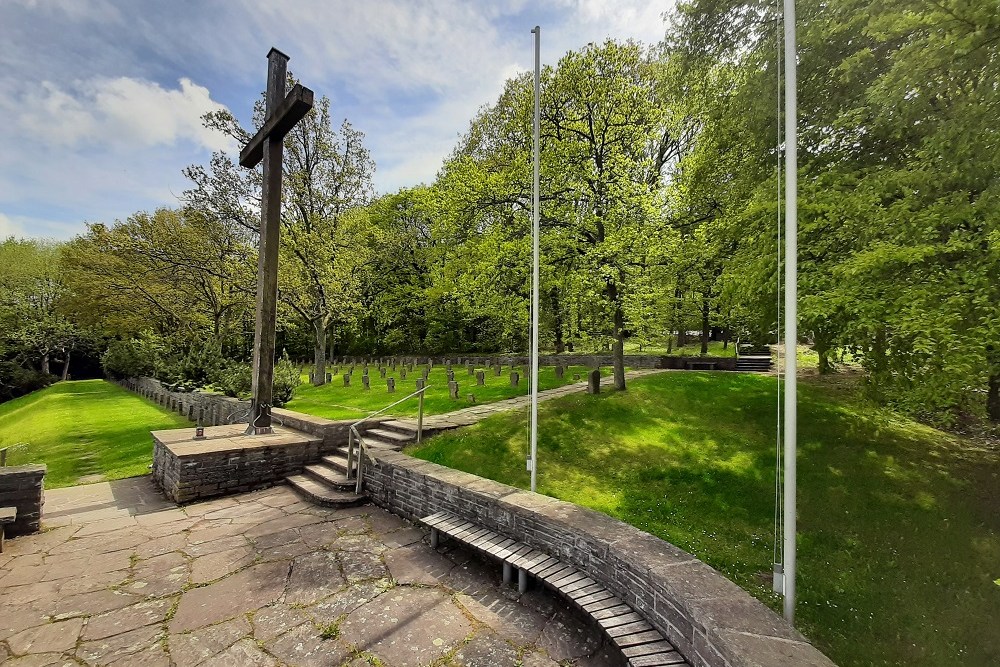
column 282, row 112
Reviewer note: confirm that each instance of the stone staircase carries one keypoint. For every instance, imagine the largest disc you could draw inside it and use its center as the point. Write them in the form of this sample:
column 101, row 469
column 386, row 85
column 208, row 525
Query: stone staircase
column 326, row 483
column 754, row 362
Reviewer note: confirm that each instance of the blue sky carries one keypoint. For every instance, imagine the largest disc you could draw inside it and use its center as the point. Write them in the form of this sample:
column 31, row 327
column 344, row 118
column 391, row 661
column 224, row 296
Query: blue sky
column 102, row 99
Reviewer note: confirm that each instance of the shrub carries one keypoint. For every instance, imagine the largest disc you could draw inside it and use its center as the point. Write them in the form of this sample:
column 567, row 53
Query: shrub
column 235, row 380
column 286, row 379
column 128, row 358
column 17, row 381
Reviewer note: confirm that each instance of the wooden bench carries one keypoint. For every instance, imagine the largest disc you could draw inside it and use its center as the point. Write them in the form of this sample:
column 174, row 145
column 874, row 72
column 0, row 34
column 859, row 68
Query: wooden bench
column 7, row 515
column 641, row 644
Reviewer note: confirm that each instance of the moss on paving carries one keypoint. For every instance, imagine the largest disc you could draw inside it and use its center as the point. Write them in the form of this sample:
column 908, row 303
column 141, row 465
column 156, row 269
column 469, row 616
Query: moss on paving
column 83, row 429
column 899, row 524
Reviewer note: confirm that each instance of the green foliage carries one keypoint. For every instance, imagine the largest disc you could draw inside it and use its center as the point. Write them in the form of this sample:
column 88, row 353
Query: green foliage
column 129, row 359
column 287, row 378
column 16, row 380
column 235, row 379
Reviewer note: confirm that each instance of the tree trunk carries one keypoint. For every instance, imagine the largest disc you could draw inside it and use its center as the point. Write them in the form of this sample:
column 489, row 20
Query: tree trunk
column 993, row 398
column 618, row 347
column 993, row 383
column 706, row 330
column 45, row 363
column 821, row 343
column 65, row 371
column 319, row 353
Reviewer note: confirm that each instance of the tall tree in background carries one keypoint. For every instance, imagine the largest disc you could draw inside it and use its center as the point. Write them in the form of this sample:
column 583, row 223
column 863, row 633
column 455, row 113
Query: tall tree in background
column 328, row 175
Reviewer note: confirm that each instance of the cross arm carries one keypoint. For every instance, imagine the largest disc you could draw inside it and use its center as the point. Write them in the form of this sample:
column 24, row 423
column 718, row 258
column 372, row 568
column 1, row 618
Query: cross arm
column 297, row 104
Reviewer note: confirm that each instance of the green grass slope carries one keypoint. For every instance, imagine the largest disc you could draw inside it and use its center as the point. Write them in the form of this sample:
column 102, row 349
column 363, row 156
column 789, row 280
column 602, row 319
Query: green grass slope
column 335, row 401
column 88, row 429
column 899, row 524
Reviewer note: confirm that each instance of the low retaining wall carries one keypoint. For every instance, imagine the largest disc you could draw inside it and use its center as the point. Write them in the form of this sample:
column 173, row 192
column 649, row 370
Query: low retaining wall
column 213, row 409
column 711, row 620
column 21, row 487
column 224, row 463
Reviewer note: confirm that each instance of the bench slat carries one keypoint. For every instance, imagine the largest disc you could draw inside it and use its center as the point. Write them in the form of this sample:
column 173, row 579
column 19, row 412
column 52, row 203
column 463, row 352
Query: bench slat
column 652, row 648
column 645, row 637
column 636, row 627
column 571, row 589
column 569, row 580
column 612, row 614
column 610, row 601
column 658, row 660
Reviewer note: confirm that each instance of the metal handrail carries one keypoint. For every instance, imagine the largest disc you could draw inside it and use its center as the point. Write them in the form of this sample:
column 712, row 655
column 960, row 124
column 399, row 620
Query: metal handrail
column 354, row 465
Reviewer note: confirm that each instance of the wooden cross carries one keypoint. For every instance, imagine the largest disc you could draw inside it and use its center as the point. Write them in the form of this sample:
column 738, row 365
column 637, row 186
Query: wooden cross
column 282, row 112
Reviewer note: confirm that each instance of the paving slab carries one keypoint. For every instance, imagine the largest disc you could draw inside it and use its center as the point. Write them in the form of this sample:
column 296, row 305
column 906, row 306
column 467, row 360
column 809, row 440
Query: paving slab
column 263, row 579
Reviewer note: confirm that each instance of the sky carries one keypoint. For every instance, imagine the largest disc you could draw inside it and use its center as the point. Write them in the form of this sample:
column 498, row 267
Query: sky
column 102, row 99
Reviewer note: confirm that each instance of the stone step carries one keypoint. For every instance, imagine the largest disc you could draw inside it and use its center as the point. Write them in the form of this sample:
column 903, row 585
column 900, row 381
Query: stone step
column 337, row 461
column 378, row 443
column 319, row 493
column 389, row 435
column 400, row 426
column 333, row 478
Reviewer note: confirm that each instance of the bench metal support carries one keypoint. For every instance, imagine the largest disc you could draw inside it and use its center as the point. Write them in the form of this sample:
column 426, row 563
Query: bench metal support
column 435, row 538
column 522, row 580
column 508, row 572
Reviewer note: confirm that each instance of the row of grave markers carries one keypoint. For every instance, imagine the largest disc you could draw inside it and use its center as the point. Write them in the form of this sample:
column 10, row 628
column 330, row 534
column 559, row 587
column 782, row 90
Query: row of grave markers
column 593, row 377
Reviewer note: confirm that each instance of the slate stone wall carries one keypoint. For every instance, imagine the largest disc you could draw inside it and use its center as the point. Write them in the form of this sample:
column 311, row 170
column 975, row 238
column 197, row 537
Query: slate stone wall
column 218, row 409
column 187, row 477
column 713, row 622
column 220, row 465
column 21, row 487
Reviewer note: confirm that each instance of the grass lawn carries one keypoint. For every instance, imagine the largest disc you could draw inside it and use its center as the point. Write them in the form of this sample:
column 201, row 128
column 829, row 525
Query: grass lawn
column 899, row 524
column 89, row 429
column 335, row 401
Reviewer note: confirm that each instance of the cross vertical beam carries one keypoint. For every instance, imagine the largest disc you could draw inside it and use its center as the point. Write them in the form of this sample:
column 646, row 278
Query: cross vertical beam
column 281, row 114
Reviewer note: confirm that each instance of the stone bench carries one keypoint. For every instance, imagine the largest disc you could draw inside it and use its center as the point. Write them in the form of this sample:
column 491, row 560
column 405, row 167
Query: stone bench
column 640, row 643
column 701, row 365
column 7, row 515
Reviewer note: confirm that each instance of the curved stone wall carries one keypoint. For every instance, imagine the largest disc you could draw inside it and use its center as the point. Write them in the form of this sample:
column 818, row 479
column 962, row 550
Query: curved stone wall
column 711, row 620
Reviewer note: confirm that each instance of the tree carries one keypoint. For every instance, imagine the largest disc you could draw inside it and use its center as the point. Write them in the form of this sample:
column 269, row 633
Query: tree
column 327, row 177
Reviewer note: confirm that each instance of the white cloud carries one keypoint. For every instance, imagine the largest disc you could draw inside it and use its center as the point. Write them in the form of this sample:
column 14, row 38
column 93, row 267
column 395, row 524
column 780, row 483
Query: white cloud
column 122, row 112
column 8, row 228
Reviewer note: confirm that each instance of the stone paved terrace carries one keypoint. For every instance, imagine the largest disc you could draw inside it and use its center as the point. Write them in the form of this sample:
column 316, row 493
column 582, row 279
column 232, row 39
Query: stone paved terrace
column 259, row 579
column 476, row 413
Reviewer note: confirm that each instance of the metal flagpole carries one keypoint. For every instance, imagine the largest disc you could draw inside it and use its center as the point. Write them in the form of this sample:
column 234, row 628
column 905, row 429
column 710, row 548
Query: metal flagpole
column 791, row 309
column 533, row 462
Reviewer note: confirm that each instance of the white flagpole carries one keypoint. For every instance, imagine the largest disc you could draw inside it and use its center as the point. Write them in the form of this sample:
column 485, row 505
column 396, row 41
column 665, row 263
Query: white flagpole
column 791, row 306
column 534, row 275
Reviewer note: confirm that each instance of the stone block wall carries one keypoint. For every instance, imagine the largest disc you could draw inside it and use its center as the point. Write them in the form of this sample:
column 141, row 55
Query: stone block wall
column 21, row 487
column 187, row 470
column 211, row 469
column 218, row 409
column 712, row 621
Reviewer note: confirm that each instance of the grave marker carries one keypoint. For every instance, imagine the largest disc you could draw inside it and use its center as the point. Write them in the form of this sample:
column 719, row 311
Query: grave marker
column 514, row 378
column 347, row 379
column 453, row 389
column 480, row 378
column 594, row 381
column 365, row 382
column 390, row 385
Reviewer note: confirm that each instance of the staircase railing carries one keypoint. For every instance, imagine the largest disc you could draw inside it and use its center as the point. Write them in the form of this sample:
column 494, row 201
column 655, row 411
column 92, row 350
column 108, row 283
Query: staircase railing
column 355, row 463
